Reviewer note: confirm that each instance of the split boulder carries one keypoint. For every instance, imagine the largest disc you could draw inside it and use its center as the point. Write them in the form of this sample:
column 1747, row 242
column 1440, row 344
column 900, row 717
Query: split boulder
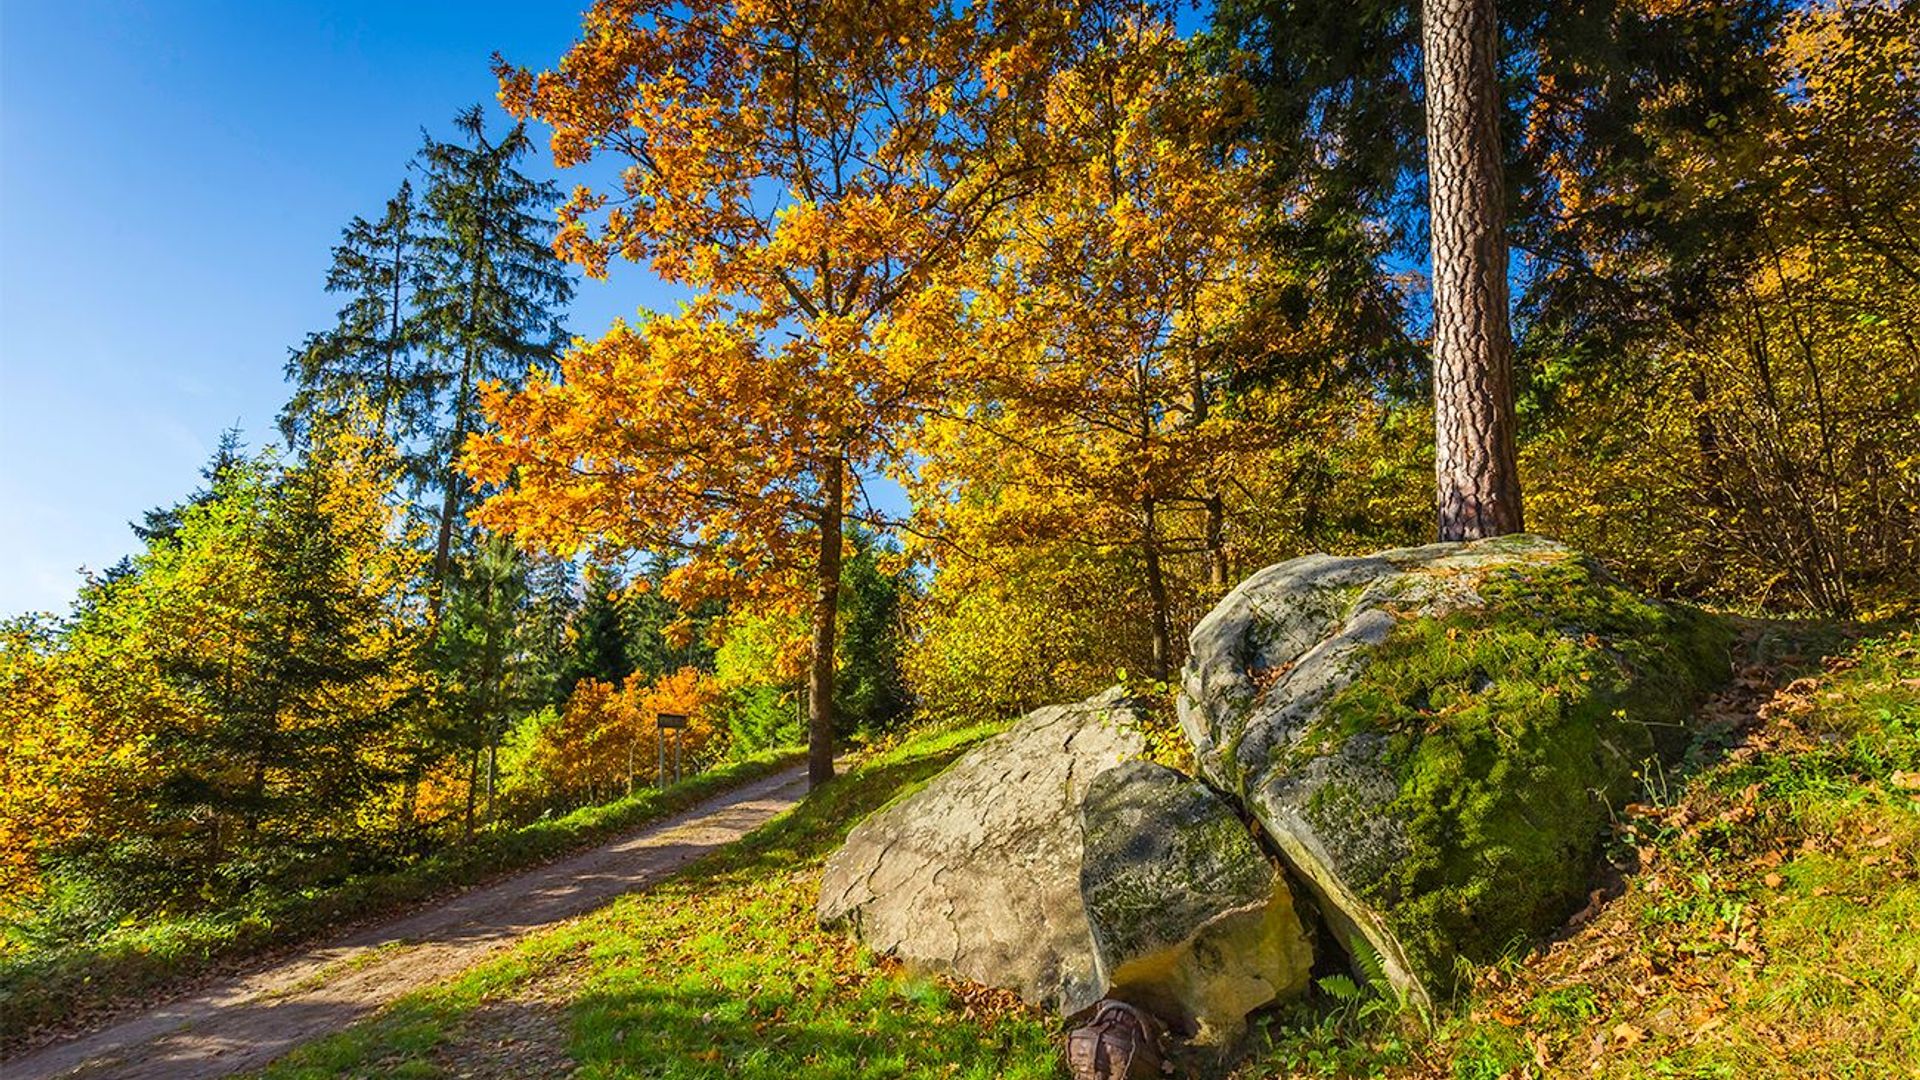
column 1433, row 737
column 1050, row 861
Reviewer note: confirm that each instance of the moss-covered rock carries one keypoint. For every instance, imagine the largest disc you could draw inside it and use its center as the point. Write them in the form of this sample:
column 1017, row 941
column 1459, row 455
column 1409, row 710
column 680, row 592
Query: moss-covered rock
column 1190, row 920
column 1433, row 736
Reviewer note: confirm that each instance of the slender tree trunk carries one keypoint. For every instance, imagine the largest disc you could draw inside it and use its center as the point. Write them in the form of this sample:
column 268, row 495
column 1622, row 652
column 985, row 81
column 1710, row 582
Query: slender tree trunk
column 450, row 500
column 1157, row 591
column 450, row 504
column 826, row 604
column 1474, row 460
column 473, row 782
column 393, row 337
column 1211, row 501
column 1216, row 541
column 493, row 761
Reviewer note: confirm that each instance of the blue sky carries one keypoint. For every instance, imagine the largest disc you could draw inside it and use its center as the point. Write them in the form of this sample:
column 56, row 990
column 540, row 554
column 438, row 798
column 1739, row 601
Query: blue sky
column 172, row 177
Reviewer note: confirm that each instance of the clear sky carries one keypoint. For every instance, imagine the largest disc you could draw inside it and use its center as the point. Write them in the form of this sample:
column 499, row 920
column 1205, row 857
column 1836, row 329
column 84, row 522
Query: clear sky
column 173, row 176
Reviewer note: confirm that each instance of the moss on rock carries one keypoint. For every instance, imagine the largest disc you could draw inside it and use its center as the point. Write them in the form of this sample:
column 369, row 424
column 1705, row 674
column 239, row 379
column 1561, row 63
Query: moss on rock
column 1440, row 762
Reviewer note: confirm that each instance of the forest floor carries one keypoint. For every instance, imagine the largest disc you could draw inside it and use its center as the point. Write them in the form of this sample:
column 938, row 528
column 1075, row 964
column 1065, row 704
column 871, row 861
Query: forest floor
column 247, row 1022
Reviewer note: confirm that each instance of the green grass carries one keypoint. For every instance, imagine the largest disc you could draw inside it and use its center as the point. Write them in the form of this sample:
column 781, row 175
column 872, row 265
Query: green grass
column 721, row 971
column 41, row 985
column 1772, row 927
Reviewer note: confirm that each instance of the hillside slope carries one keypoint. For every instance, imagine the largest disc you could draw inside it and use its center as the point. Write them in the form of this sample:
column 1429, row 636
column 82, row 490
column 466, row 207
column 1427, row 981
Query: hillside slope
column 1766, row 923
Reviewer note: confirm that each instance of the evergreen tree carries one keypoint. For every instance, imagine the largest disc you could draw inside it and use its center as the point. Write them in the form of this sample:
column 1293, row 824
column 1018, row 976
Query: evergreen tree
column 554, row 600
column 369, row 353
column 281, row 620
column 657, row 644
column 872, row 687
column 162, row 523
column 598, row 632
column 1476, row 471
column 449, row 288
column 488, row 669
column 492, row 294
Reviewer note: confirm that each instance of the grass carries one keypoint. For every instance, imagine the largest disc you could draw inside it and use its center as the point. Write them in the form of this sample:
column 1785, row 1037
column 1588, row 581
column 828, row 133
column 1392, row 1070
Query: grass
column 720, row 971
column 67, row 982
column 1770, row 926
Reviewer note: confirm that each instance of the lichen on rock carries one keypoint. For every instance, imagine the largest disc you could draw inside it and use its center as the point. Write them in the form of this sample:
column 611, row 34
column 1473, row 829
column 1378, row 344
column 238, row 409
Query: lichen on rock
column 1433, row 736
column 1051, row 861
column 1190, row 920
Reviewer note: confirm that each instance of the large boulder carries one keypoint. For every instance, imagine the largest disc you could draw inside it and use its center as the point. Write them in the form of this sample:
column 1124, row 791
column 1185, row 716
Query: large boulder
column 1433, row 737
column 1035, row 863
column 1190, row 920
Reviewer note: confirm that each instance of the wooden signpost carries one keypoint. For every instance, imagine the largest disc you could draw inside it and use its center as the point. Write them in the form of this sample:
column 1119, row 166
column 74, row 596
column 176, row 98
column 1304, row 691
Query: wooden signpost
column 676, row 723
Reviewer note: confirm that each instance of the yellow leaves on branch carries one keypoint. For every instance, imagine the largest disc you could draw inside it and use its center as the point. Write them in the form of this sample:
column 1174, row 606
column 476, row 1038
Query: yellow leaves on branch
column 816, row 173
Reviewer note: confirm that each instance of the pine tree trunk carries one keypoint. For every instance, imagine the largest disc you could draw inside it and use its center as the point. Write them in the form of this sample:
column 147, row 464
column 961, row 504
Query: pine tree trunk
column 826, row 605
column 1474, row 462
column 450, row 501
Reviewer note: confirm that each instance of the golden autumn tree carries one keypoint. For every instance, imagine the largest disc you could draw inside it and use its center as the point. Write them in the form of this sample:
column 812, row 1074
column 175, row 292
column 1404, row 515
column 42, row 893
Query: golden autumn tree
column 1091, row 377
column 811, row 171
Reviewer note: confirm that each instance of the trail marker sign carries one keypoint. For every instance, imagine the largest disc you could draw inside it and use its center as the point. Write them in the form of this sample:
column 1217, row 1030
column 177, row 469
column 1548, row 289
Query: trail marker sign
column 676, row 723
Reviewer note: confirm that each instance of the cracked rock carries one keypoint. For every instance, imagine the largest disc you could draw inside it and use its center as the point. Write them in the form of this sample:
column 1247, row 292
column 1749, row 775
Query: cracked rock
column 1051, row 861
column 978, row 873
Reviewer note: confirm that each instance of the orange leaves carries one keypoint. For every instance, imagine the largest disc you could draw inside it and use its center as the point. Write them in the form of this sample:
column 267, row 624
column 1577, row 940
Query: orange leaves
column 607, row 738
column 817, row 182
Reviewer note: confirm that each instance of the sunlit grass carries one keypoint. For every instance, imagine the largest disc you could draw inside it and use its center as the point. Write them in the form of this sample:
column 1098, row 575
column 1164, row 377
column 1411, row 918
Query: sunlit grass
column 722, row 971
column 47, row 983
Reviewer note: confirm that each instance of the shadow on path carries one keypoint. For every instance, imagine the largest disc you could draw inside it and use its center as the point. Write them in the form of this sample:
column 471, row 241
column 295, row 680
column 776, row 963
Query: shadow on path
column 247, row 1022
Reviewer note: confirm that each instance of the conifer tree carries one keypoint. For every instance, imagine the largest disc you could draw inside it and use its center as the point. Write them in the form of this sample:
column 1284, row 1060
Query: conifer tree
column 487, row 665
column 282, row 620
column 369, row 353
column 450, row 287
column 491, row 295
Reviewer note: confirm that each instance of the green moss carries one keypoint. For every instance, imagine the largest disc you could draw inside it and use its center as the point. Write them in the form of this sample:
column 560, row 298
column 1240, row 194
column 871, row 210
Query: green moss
column 1514, row 728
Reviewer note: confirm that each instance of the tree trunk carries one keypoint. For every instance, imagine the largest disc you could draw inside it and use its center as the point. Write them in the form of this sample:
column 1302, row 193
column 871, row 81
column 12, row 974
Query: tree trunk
column 1474, row 462
column 826, row 605
column 1216, row 542
column 473, row 782
column 1157, row 592
column 450, row 502
column 393, row 337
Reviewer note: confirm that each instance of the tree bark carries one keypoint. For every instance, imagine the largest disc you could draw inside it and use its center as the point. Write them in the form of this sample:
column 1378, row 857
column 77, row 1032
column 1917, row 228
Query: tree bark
column 1477, row 476
column 826, row 606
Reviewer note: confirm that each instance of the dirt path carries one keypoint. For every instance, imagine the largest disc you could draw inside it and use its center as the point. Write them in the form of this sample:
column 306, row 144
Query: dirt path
column 247, row 1022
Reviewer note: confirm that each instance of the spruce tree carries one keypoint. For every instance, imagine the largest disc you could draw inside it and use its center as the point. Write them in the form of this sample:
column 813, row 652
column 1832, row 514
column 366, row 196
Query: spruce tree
column 369, row 352
column 599, row 633
column 487, row 661
column 490, row 306
column 450, row 287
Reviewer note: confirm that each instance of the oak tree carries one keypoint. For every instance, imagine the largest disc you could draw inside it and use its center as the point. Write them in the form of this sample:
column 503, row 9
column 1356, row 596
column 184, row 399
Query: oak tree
column 810, row 171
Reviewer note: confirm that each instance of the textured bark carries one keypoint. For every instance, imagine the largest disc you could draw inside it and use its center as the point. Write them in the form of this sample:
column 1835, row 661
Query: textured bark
column 826, row 604
column 1474, row 465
